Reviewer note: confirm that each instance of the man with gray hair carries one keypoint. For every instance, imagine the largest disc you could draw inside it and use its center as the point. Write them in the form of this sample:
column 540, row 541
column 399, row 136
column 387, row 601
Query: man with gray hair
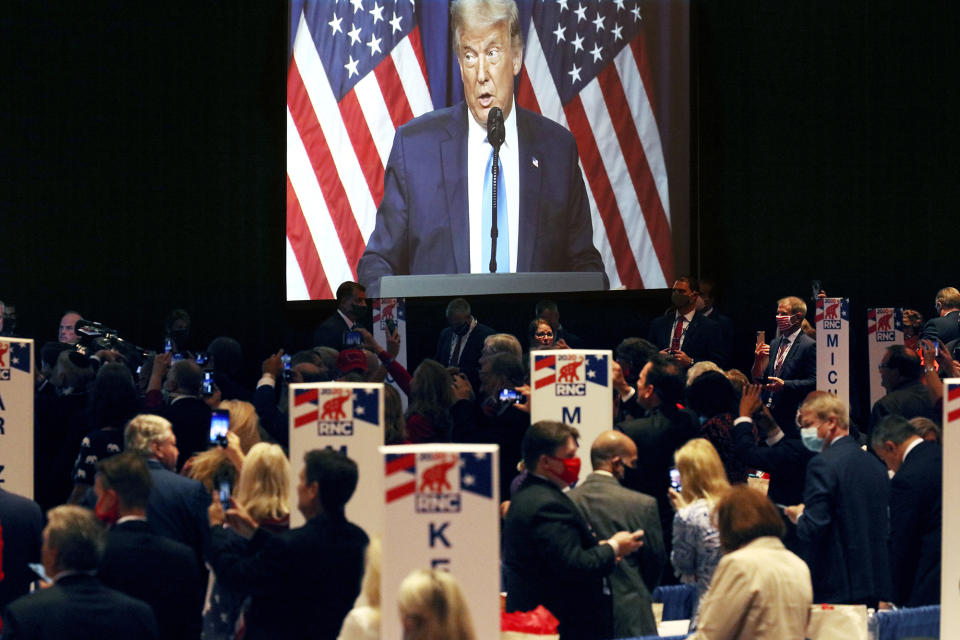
column 610, row 507
column 916, row 496
column 843, row 518
column 436, row 214
column 77, row 605
column 177, row 507
column 946, row 325
column 460, row 344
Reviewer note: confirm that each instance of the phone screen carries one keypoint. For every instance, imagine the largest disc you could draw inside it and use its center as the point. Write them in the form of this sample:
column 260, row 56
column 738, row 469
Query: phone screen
column 675, row 479
column 219, row 425
column 207, row 383
column 225, row 491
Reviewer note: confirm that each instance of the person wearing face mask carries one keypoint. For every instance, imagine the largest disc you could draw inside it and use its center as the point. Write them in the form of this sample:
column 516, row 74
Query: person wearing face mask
column 610, row 507
column 551, row 555
column 461, row 343
column 787, row 367
column 684, row 333
column 843, row 518
column 138, row 562
column 351, row 312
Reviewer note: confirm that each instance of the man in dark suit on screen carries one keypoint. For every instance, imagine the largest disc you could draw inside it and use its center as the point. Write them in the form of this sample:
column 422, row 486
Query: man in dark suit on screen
column 551, row 556
column 610, row 507
column 78, row 606
column 435, row 216
column 916, row 507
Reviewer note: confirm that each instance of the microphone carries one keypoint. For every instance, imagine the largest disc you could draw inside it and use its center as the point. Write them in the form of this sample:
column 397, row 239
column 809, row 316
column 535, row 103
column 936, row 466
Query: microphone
column 495, row 136
column 495, row 131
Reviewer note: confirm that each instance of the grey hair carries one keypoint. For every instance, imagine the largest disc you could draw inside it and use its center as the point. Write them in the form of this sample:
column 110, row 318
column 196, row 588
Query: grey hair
column 892, row 428
column 143, row 430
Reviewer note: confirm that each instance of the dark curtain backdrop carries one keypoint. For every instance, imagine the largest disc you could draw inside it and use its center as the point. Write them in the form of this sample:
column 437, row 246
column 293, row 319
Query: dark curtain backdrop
column 143, row 164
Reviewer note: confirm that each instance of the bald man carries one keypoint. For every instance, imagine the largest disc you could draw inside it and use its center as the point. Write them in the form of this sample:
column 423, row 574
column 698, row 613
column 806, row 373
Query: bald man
column 611, row 507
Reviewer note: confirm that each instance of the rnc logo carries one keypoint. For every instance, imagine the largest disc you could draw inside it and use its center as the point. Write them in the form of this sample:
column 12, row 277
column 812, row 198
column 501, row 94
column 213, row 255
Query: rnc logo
column 14, row 355
column 885, row 332
column 336, row 407
column 569, row 380
column 436, row 493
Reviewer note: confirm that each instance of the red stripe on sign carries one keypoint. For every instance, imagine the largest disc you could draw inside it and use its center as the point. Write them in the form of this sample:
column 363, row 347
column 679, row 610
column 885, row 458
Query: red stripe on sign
column 543, row 382
column 953, row 392
column 301, row 241
column 403, row 490
column 417, row 45
column 401, row 464
column 526, row 98
column 871, row 328
column 363, row 144
column 307, row 418
column 953, row 415
column 603, row 194
column 308, row 395
column 393, row 94
column 543, row 363
column 308, row 127
column 817, row 318
column 639, row 168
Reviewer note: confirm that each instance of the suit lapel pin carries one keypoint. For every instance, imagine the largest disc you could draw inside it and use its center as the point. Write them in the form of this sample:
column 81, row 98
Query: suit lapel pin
column 535, row 162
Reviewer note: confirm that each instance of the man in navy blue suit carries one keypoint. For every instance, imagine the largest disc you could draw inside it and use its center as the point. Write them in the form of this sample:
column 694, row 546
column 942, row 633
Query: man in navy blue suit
column 432, row 217
column 843, row 519
column 946, row 326
column 916, row 506
column 685, row 334
column 788, row 365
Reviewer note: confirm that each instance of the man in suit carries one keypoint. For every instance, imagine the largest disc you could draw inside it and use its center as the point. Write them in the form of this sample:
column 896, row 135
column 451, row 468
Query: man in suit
column 303, row 581
column 461, row 344
column 77, row 606
column 843, row 517
column 916, row 492
column 187, row 412
column 610, row 507
column 136, row 561
column 435, row 215
column 686, row 334
column 788, row 365
column 706, row 305
column 907, row 396
column 664, row 429
column 21, row 523
column 946, row 326
column 351, row 311
column 177, row 506
column 551, row 556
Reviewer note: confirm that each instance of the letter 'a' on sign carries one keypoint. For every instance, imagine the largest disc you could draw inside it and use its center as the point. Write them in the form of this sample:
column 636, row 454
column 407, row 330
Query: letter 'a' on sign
column 16, row 416
column 833, row 346
column 573, row 386
column 347, row 417
column 441, row 509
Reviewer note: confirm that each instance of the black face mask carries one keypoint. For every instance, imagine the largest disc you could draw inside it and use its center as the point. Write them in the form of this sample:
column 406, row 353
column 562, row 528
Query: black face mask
column 462, row 329
column 679, row 299
column 180, row 336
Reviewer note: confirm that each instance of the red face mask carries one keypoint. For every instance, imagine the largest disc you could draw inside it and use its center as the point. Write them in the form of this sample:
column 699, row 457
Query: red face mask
column 571, row 469
column 107, row 516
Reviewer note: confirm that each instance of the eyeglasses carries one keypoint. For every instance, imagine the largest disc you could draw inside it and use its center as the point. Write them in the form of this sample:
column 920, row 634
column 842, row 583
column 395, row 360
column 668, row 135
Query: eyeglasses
column 544, row 334
column 493, row 56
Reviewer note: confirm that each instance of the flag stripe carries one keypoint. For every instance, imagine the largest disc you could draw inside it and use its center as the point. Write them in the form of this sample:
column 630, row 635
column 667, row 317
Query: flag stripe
column 543, row 363
column 402, row 463
column 393, row 94
column 368, row 152
column 400, row 491
column 301, row 242
column 304, row 419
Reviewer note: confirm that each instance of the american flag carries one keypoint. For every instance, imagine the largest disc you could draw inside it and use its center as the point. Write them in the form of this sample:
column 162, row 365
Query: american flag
column 356, row 74
column 951, row 402
column 585, row 66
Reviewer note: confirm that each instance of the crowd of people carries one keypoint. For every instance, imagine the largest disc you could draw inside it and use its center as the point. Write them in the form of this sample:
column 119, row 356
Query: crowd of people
column 141, row 507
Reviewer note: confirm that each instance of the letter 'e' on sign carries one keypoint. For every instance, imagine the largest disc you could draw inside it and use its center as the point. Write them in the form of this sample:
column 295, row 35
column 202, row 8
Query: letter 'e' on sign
column 441, row 507
column 347, row 417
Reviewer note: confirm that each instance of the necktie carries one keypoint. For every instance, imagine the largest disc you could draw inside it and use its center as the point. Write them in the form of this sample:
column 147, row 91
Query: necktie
column 781, row 356
column 503, row 230
column 677, row 334
column 455, row 357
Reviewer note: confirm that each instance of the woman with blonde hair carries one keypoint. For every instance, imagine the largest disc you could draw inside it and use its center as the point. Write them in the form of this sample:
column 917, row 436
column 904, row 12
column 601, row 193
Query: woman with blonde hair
column 363, row 621
column 432, row 607
column 243, row 422
column 264, row 486
column 696, row 541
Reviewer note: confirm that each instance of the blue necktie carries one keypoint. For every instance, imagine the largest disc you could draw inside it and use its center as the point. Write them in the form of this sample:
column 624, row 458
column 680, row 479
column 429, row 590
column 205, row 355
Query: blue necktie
column 503, row 230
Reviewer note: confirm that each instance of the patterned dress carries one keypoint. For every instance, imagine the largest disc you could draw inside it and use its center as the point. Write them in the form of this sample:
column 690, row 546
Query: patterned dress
column 696, row 548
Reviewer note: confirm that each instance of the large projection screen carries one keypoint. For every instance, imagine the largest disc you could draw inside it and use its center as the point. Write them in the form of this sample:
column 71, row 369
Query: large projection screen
column 615, row 73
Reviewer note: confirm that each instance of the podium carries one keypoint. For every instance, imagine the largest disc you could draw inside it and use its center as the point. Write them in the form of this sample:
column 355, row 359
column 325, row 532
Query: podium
column 471, row 284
